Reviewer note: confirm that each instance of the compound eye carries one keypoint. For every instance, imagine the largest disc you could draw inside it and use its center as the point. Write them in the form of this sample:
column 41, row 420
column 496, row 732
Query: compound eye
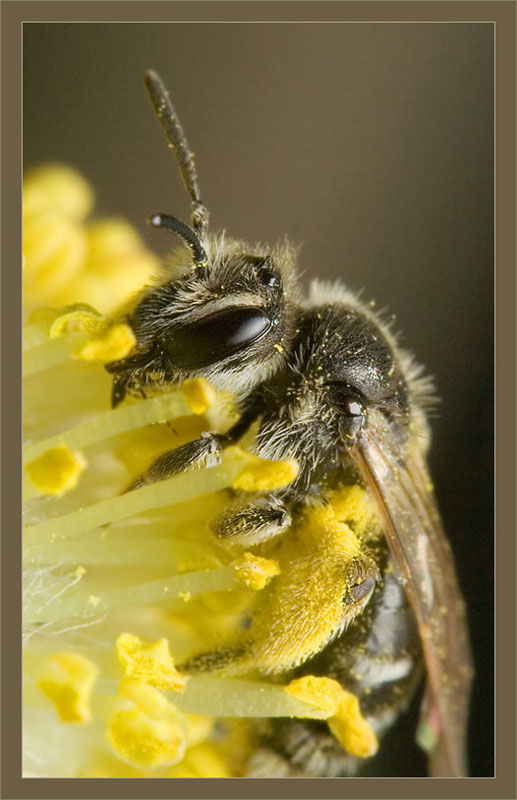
column 216, row 337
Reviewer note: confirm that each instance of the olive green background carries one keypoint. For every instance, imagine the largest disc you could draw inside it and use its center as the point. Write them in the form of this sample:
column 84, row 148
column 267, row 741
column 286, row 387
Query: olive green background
column 371, row 145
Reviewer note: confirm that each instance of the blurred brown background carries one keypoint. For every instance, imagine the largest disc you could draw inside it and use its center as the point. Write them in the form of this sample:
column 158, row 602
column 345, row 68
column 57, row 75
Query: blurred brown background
column 370, row 144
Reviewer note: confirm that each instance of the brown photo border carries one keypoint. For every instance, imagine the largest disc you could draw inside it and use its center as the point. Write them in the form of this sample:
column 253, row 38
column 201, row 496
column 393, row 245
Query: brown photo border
column 502, row 14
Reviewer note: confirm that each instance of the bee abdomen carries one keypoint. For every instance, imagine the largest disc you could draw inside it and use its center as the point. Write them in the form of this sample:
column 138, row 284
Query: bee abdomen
column 378, row 659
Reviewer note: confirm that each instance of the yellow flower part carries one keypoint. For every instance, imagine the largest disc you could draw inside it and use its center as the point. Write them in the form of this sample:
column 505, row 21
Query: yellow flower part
column 58, row 188
column 151, row 662
column 265, row 476
column 56, row 471
column 79, row 319
column 345, row 721
column 67, row 259
column 255, row 571
column 68, row 680
column 143, row 728
column 202, row 761
column 138, row 574
column 116, row 343
column 199, row 394
column 351, row 729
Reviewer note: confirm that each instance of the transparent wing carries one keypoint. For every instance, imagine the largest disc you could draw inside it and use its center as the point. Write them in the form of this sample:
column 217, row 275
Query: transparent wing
column 405, row 499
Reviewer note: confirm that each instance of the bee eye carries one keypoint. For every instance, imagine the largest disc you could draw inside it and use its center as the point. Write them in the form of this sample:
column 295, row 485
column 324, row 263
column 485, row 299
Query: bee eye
column 360, row 591
column 216, row 336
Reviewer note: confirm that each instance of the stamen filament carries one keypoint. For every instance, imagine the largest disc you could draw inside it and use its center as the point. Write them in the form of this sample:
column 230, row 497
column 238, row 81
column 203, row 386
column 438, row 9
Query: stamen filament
column 120, row 420
column 85, row 604
column 51, row 353
column 174, row 490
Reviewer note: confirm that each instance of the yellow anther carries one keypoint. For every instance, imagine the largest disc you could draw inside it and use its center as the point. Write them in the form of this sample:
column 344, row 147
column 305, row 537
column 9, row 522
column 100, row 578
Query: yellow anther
column 199, row 728
column 54, row 248
column 54, row 187
column 149, row 661
column 323, row 693
column 265, row 476
column 200, row 395
column 57, row 471
column 255, row 571
column 144, row 728
column 345, row 719
column 117, row 265
column 116, row 343
column 68, row 680
column 201, row 761
column 78, row 319
column 351, row 729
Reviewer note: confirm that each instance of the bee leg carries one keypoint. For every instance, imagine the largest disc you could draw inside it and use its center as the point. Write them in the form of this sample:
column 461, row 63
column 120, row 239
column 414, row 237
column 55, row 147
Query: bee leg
column 203, row 452
column 253, row 522
column 214, row 660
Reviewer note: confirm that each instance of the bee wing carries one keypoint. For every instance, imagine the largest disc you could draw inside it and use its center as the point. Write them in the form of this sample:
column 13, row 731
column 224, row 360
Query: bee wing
column 405, row 499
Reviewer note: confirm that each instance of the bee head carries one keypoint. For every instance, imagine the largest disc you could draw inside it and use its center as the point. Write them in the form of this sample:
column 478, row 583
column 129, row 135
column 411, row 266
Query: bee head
column 223, row 310
column 230, row 320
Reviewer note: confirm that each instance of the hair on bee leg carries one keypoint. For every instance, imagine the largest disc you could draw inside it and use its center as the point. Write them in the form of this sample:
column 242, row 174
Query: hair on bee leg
column 252, row 522
column 203, row 452
column 214, row 660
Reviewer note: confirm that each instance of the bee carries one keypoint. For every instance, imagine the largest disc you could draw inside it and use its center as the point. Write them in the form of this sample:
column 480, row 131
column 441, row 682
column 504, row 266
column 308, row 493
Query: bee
column 324, row 381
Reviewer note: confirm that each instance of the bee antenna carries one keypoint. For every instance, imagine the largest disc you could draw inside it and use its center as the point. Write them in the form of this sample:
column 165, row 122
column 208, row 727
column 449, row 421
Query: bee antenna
column 189, row 236
column 171, row 124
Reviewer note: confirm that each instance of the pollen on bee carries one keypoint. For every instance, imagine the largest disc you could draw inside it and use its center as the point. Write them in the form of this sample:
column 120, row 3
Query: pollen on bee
column 255, row 571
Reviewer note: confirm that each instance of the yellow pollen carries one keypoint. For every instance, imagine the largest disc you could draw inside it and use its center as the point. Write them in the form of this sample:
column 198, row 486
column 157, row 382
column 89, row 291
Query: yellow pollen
column 149, row 661
column 353, row 505
column 144, row 728
column 345, row 720
column 79, row 319
column 199, row 728
column 54, row 187
column 200, row 395
column 68, row 680
column 201, row 761
column 57, row 471
column 255, row 571
column 264, row 476
column 116, row 343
